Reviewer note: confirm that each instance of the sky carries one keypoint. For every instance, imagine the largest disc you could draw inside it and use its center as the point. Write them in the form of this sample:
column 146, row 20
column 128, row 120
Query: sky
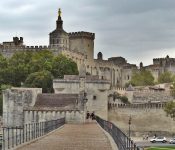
column 138, row 30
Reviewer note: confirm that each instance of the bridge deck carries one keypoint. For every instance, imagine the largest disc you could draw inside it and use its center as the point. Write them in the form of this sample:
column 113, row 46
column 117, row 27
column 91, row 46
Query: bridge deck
column 73, row 137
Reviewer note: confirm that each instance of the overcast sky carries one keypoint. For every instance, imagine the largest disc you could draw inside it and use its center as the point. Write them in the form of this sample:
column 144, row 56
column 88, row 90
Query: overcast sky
column 138, row 30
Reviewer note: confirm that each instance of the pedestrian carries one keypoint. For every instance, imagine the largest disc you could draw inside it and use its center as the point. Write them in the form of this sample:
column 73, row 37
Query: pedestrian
column 87, row 115
column 143, row 137
column 147, row 136
column 92, row 116
column 154, row 136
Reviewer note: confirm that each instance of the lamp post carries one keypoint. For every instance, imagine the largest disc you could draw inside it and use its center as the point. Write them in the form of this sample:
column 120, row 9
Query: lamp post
column 129, row 122
column 84, row 100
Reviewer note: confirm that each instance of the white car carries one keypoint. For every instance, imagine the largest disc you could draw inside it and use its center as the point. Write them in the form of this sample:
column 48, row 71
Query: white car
column 172, row 141
column 158, row 139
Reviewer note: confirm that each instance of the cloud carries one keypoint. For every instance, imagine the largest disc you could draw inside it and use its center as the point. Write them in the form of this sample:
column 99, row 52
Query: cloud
column 138, row 30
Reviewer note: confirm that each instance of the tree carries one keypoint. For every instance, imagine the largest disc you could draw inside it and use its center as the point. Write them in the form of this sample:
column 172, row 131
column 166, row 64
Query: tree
column 28, row 67
column 3, row 66
column 41, row 60
column 124, row 99
column 18, row 68
column 142, row 78
column 62, row 65
column 42, row 79
column 1, row 105
column 166, row 77
column 170, row 109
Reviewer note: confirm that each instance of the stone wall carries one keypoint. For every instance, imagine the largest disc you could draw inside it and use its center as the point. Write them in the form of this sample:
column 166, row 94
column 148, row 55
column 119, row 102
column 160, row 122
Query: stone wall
column 35, row 115
column 143, row 121
column 14, row 101
column 146, row 96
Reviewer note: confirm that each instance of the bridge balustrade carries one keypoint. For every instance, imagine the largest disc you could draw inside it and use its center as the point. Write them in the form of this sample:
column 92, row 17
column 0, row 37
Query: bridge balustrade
column 122, row 141
column 15, row 136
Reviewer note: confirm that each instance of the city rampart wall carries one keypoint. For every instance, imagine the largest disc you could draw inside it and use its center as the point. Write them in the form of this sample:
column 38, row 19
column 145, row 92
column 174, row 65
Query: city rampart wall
column 143, row 121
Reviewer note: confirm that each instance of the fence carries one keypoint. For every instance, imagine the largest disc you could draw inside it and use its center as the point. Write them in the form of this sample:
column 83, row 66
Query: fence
column 13, row 137
column 138, row 106
column 123, row 142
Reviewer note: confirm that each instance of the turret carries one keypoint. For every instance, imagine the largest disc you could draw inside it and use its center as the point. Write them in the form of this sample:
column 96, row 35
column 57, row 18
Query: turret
column 82, row 42
column 100, row 56
column 59, row 38
column 59, row 22
column 141, row 65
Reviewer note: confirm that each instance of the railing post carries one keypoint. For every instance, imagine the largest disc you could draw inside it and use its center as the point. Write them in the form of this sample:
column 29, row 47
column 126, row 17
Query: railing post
column 13, row 139
column 8, row 138
column 16, row 136
column 29, row 131
column 32, row 131
column 26, row 132
column 4, row 136
column 20, row 135
column 23, row 134
column 37, row 130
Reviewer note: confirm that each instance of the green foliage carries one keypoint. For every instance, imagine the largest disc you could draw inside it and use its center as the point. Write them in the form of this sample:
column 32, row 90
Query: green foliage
column 4, row 87
column 1, row 105
column 63, row 65
column 142, row 78
column 162, row 148
column 170, row 109
column 34, row 69
column 124, row 99
column 166, row 77
column 41, row 60
column 173, row 90
column 116, row 95
column 3, row 66
column 42, row 79
column 17, row 69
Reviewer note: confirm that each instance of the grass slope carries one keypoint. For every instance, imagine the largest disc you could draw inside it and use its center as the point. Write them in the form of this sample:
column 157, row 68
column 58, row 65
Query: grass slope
column 162, row 148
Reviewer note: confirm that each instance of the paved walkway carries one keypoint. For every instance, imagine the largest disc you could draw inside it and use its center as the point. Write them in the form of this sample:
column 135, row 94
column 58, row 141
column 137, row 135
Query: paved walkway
column 73, row 137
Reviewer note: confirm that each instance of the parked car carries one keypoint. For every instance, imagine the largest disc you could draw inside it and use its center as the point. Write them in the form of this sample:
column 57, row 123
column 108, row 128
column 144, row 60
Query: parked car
column 172, row 141
column 158, row 139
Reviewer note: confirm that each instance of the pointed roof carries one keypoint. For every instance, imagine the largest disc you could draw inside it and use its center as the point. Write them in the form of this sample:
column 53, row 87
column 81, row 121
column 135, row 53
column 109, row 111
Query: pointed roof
column 59, row 25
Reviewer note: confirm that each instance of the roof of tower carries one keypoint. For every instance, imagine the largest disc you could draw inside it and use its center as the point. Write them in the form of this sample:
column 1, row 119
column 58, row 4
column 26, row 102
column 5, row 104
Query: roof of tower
column 59, row 25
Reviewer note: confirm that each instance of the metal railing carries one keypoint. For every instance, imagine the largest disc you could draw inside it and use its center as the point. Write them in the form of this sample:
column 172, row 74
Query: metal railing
column 123, row 142
column 13, row 137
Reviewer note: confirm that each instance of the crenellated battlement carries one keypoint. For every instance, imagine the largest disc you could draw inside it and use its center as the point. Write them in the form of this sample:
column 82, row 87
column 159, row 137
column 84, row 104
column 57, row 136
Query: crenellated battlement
column 158, row 59
column 37, row 47
column 56, row 49
column 82, row 34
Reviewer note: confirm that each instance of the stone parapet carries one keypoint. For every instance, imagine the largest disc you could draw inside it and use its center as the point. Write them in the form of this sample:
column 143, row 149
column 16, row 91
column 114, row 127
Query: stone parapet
column 82, row 34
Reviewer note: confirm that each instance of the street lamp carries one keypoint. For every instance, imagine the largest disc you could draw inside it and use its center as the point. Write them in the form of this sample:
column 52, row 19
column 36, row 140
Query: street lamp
column 84, row 99
column 129, row 122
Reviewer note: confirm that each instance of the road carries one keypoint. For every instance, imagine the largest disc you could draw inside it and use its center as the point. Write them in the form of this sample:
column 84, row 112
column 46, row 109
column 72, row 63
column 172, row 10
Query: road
column 148, row 144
